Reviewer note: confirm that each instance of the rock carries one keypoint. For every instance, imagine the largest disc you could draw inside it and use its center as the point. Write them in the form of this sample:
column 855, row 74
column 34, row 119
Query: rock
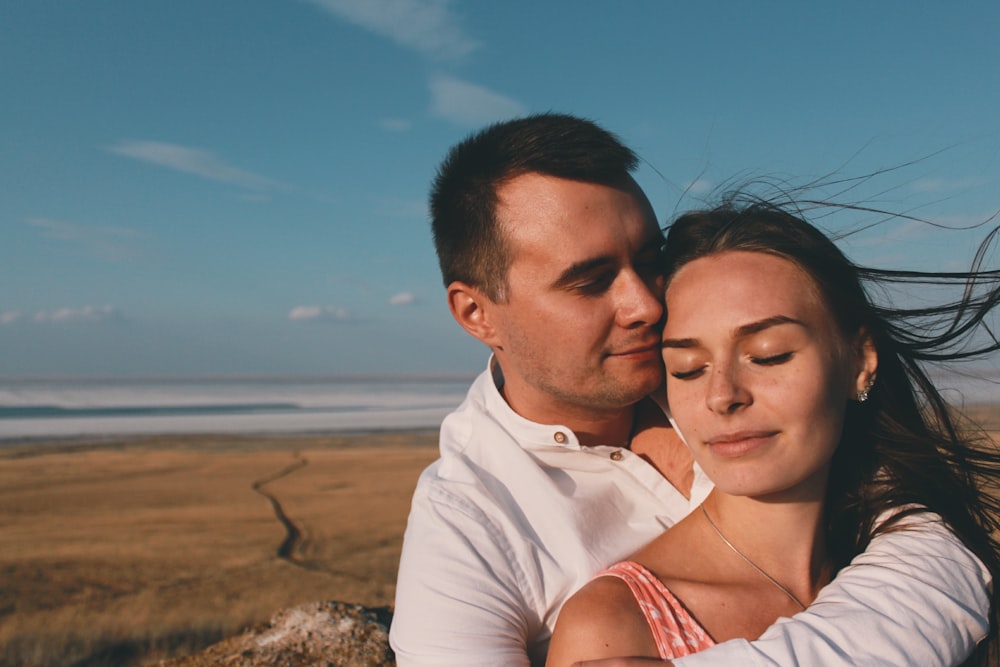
column 317, row 634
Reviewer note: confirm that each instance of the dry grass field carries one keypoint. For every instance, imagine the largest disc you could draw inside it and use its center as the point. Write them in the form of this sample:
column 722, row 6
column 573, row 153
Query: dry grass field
column 118, row 553
column 987, row 416
column 123, row 552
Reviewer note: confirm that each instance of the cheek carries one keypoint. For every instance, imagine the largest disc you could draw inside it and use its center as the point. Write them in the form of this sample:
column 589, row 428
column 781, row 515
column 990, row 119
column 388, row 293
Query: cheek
column 575, row 320
column 805, row 403
column 683, row 403
column 822, row 412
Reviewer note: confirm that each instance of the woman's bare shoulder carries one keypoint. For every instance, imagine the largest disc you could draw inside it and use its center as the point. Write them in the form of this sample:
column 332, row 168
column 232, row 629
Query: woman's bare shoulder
column 601, row 620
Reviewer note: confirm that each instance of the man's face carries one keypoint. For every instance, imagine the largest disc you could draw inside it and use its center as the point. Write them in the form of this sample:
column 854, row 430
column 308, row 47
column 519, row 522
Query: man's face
column 580, row 331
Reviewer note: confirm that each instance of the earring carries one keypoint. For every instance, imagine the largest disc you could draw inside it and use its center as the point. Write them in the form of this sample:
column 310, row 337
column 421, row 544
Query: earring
column 863, row 394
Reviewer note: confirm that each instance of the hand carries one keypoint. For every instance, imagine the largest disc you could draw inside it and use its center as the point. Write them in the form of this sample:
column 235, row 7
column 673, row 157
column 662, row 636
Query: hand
column 624, row 662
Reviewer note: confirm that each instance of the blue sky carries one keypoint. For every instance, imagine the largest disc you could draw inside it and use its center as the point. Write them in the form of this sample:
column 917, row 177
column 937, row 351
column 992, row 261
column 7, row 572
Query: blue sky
column 238, row 187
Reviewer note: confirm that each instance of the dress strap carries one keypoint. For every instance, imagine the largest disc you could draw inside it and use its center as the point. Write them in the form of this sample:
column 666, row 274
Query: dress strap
column 675, row 632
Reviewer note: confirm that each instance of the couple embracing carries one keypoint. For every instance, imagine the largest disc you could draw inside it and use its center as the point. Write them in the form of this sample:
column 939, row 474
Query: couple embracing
column 710, row 449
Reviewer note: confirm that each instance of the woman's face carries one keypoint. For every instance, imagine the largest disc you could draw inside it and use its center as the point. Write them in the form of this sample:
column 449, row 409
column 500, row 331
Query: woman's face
column 758, row 374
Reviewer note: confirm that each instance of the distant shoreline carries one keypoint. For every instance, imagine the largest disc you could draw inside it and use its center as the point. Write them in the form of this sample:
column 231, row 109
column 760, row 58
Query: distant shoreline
column 985, row 414
column 238, row 379
column 407, row 437
column 111, row 409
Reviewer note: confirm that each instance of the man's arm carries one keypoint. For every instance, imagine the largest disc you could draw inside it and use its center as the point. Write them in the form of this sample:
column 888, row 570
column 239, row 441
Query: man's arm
column 915, row 597
column 460, row 596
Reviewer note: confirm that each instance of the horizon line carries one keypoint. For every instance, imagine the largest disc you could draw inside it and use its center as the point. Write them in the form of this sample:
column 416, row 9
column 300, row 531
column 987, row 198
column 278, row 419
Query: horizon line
column 255, row 377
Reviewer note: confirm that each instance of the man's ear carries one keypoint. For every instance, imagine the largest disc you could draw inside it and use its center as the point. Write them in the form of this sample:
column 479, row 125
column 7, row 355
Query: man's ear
column 866, row 362
column 474, row 311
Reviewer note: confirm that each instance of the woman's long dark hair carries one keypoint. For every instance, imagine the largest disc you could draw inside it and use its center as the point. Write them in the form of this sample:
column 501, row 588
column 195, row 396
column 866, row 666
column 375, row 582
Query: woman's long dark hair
column 904, row 451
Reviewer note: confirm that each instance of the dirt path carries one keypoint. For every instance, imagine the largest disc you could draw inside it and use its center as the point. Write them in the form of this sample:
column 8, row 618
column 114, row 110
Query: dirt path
column 293, row 536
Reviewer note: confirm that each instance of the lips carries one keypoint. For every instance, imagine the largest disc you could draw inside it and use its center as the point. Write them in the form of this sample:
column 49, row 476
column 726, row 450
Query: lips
column 739, row 443
column 642, row 350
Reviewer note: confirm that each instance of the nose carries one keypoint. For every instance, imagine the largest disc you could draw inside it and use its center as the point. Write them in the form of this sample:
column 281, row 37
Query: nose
column 640, row 301
column 726, row 392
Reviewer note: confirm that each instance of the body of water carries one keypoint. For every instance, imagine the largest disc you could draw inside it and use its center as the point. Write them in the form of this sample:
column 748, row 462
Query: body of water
column 79, row 408
column 72, row 408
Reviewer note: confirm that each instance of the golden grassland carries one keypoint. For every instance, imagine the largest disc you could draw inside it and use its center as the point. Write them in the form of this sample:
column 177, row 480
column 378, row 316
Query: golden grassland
column 987, row 415
column 123, row 552
column 131, row 550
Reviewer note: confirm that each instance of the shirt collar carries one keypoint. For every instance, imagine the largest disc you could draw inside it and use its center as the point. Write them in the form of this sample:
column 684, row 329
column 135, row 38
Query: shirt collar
column 524, row 430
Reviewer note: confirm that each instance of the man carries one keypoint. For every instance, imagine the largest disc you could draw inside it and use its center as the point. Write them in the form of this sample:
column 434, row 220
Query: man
column 557, row 465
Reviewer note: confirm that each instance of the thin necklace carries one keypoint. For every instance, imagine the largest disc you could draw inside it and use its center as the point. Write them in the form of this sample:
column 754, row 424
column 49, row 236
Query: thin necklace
column 748, row 561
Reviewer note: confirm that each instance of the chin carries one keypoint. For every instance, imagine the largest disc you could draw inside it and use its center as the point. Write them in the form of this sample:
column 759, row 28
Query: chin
column 643, row 390
column 649, row 379
column 745, row 485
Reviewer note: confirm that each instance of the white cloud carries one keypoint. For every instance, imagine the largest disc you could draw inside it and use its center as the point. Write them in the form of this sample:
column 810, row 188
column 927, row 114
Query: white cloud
column 470, row 104
column 305, row 313
column 56, row 229
column 698, row 187
column 84, row 314
column 427, row 26
column 9, row 316
column 948, row 185
column 395, row 124
column 106, row 242
column 68, row 231
column 402, row 299
column 314, row 313
column 896, row 233
column 966, row 221
column 193, row 161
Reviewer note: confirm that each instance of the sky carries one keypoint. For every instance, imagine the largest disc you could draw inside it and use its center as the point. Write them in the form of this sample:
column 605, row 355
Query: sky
column 238, row 187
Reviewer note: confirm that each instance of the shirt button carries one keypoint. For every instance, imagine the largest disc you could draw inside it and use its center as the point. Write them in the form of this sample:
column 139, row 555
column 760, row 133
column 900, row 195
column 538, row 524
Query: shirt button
column 559, row 437
column 616, row 455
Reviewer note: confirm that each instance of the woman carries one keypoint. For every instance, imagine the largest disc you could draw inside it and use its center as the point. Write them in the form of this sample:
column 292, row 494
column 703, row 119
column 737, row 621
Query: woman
column 807, row 407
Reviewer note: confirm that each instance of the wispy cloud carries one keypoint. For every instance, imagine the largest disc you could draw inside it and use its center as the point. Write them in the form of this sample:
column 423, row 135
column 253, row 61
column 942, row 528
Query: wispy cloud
column 317, row 313
column 68, row 231
column 896, row 233
column 468, row 103
column 892, row 235
column 195, row 161
column 84, row 314
column 698, row 187
column 966, row 221
column 948, row 184
column 9, row 317
column 427, row 26
column 402, row 299
column 432, row 29
column 102, row 241
column 395, row 124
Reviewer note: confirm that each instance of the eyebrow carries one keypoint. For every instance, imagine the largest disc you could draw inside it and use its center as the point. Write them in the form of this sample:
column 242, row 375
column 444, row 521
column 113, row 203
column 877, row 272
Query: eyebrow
column 582, row 269
column 741, row 332
column 575, row 272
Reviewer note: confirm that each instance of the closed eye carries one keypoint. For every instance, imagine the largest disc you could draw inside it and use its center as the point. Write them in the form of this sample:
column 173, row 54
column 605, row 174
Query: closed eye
column 597, row 285
column 773, row 360
column 687, row 375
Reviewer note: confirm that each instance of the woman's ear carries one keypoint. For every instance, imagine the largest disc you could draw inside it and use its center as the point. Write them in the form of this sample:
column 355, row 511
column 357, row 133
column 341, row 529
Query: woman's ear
column 474, row 311
column 866, row 364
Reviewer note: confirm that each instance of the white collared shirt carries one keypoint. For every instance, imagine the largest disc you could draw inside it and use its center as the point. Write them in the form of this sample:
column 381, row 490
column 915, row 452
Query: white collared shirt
column 515, row 516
